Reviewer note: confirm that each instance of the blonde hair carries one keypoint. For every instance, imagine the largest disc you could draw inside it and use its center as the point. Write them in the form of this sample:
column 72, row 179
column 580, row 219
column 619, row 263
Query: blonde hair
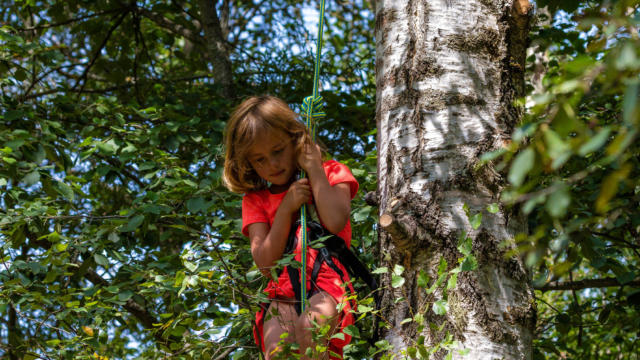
column 253, row 118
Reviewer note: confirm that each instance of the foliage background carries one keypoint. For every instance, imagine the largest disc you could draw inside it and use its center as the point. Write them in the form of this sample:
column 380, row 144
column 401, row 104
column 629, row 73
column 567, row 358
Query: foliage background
column 118, row 239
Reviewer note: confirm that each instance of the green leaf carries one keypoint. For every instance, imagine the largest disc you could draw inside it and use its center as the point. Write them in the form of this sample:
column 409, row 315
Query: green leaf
column 627, row 58
column 190, row 266
column 595, row 142
column 196, row 204
column 625, row 277
column 53, row 237
column 398, row 270
column 50, row 277
column 396, row 281
column 442, row 267
column 440, row 307
column 107, row 148
column 604, row 314
column 558, row 203
column 133, row 223
column 60, row 247
column 380, row 270
column 361, row 214
column 9, row 160
column 101, row 260
column 423, row 279
column 630, row 103
column 352, row 330
column 31, row 178
column 476, row 221
column 469, row 264
column 521, row 166
column 452, row 282
column 65, row 190
column 563, row 323
column 465, row 245
column 493, row 208
column 492, row 155
column 567, row 86
column 557, row 149
column 125, row 295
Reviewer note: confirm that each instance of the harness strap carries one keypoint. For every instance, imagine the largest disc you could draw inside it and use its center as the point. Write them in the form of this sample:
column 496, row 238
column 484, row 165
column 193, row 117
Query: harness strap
column 333, row 247
column 294, row 278
column 325, row 256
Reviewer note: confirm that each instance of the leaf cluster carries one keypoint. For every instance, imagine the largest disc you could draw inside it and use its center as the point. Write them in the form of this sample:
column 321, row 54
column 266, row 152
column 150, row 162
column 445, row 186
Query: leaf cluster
column 573, row 168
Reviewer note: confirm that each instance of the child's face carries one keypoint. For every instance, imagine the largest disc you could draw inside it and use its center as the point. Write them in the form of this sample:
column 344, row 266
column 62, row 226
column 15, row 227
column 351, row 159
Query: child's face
column 273, row 157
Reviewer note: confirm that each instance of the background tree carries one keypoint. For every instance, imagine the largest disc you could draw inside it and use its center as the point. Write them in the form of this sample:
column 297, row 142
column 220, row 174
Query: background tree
column 573, row 169
column 448, row 75
column 118, row 240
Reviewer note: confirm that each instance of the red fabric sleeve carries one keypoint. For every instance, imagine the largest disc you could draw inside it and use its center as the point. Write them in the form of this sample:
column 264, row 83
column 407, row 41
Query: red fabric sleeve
column 253, row 211
column 339, row 173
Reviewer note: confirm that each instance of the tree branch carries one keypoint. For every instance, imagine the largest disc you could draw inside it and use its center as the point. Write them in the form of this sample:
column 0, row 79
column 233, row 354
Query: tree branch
column 13, row 334
column 400, row 224
column 69, row 21
column 216, row 46
column 108, row 89
column 224, row 19
column 170, row 25
column 58, row 69
column 585, row 284
column 97, row 53
column 131, row 306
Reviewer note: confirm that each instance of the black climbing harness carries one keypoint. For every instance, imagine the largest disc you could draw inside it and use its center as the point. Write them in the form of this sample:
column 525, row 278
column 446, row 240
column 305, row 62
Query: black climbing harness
column 332, row 247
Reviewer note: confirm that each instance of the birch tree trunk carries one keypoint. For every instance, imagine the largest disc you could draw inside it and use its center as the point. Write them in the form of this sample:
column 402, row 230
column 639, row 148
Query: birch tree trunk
column 447, row 75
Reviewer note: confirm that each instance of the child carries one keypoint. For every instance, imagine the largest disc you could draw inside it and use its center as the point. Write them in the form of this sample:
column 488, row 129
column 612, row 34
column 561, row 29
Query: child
column 266, row 146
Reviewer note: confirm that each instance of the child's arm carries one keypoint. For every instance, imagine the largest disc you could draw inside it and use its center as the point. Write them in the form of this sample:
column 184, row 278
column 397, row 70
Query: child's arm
column 332, row 202
column 267, row 244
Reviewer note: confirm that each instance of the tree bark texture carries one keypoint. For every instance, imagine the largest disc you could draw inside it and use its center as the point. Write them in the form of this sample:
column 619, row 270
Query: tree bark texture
column 447, row 75
column 217, row 50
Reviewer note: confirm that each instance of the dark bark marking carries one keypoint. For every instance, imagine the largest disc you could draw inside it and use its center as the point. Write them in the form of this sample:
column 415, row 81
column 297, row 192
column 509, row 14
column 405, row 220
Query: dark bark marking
column 488, row 252
column 439, row 100
column 384, row 17
column 484, row 42
column 490, row 6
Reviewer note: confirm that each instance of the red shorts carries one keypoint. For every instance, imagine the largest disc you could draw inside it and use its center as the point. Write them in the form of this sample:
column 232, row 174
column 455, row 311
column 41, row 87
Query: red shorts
column 329, row 281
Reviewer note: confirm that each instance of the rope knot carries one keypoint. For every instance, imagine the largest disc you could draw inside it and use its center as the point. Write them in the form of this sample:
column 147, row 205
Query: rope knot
column 313, row 107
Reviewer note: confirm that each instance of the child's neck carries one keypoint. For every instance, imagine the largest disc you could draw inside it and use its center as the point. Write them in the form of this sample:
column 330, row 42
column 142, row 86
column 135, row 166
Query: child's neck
column 277, row 189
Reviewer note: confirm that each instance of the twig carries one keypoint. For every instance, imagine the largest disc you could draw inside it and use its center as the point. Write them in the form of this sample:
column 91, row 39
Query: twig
column 585, row 284
column 97, row 53
column 108, row 89
column 69, row 21
column 168, row 24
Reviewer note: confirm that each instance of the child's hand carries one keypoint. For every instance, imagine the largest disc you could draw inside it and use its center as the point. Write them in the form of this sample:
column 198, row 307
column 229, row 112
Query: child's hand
column 310, row 158
column 299, row 193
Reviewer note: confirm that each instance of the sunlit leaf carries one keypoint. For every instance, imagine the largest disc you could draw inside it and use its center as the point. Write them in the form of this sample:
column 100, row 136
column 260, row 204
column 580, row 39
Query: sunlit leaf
column 522, row 164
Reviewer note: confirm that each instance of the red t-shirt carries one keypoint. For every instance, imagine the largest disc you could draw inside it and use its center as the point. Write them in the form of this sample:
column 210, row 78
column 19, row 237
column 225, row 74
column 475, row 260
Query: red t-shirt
column 261, row 206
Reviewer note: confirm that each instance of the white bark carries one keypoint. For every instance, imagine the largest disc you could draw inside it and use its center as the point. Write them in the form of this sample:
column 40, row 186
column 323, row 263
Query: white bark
column 447, row 74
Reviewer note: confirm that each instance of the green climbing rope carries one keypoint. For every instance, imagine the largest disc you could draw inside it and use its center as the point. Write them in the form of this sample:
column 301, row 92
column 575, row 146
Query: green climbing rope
column 312, row 108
